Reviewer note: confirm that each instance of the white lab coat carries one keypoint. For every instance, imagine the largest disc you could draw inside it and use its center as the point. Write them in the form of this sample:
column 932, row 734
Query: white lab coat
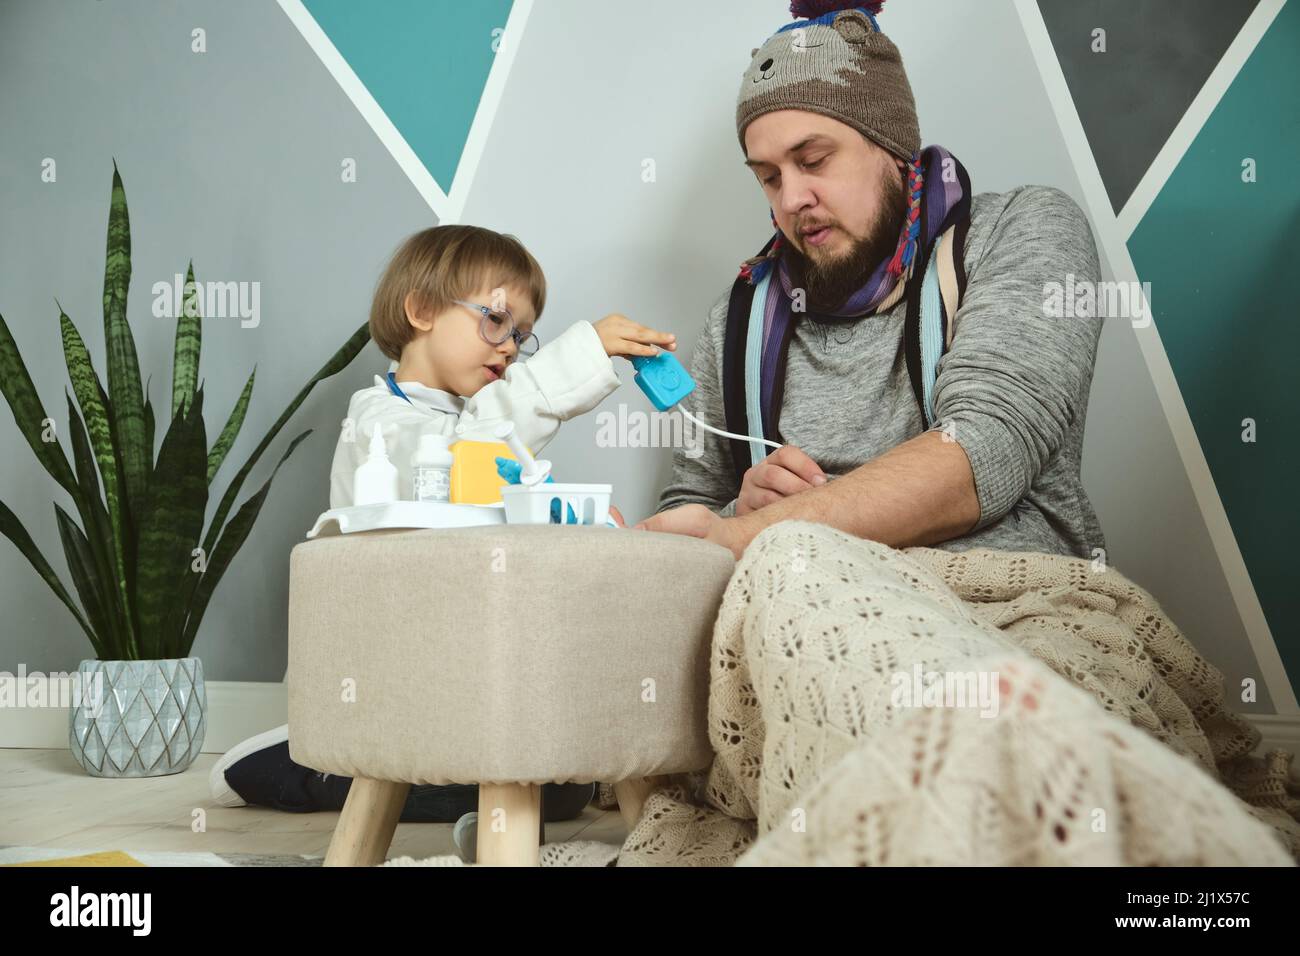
column 567, row 377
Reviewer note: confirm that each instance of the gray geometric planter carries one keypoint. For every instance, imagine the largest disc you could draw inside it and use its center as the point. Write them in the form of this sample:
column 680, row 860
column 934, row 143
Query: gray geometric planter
column 150, row 719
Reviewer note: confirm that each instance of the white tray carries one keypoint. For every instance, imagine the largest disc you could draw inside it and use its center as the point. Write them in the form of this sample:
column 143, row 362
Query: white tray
column 405, row 514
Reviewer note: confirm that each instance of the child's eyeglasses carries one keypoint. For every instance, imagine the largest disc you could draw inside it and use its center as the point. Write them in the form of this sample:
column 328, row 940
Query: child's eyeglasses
column 495, row 327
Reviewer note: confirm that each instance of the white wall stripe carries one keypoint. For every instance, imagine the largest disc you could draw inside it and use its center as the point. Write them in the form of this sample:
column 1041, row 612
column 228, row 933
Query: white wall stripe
column 511, row 38
column 1180, row 140
column 366, row 105
column 1114, row 242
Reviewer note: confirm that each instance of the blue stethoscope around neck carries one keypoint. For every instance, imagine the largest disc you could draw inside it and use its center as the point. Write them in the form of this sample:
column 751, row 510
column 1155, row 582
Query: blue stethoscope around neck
column 392, row 385
column 451, row 404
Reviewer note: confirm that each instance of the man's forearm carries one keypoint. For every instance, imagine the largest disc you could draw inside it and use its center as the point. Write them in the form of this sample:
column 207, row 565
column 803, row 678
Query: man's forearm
column 918, row 493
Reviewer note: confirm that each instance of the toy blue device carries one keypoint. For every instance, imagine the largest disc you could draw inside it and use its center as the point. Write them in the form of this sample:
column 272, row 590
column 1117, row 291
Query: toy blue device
column 666, row 382
column 663, row 379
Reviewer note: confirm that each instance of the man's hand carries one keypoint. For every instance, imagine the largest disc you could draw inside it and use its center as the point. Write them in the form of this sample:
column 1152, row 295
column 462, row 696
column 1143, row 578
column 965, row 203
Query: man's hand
column 698, row 521
column 693, row 520
column 785, row 472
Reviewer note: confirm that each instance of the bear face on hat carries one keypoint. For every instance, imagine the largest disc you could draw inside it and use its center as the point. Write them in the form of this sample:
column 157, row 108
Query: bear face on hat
column 839, row 65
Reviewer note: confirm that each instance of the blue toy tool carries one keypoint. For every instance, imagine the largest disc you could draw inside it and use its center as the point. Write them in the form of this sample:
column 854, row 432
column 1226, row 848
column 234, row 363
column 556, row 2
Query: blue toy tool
column 510, row 470
column 663, row 379
column 524, row 469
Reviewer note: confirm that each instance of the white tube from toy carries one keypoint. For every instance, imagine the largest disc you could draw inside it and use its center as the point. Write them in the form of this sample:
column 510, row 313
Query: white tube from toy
column 718, row 431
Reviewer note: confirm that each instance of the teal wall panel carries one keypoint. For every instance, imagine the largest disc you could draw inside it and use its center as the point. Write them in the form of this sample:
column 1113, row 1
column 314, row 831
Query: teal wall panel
column 424, row 61
column 1222, row 259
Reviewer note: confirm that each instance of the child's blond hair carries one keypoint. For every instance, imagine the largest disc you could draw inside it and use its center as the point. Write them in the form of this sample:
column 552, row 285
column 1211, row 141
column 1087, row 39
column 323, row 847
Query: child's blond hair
column 446, row 263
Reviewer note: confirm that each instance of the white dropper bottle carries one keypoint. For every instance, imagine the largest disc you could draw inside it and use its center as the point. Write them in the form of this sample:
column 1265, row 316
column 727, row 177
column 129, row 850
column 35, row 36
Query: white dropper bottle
column 375, row 480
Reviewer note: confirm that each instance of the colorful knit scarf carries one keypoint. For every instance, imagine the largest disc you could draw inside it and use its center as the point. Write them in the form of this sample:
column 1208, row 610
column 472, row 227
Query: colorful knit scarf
column 938, row 206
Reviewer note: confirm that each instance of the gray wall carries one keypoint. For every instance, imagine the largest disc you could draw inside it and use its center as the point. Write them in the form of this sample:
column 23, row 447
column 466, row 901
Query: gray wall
column 231, row 158
column 234, row 161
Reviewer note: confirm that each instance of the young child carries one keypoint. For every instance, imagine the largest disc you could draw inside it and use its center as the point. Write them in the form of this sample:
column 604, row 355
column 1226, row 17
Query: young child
column 456, row 310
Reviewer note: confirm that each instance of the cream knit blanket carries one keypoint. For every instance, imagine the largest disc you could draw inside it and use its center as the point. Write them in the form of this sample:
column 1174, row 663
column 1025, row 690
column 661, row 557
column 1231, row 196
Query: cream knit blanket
column 1102, row 736
column 1111, row 742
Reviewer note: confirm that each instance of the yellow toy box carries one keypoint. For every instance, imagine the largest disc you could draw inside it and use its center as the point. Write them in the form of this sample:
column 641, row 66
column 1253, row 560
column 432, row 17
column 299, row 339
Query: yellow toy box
column 474, row 478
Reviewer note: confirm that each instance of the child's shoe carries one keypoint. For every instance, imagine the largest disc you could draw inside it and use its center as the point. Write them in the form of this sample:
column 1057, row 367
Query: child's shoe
column 259, row 771
column 222, row 792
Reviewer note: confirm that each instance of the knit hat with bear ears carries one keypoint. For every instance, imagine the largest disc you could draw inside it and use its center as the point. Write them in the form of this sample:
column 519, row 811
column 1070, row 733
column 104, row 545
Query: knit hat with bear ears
column 834, row 61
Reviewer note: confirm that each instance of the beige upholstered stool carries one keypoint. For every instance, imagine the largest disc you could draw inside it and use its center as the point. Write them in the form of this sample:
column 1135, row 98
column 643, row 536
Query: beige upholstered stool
column 507, row 656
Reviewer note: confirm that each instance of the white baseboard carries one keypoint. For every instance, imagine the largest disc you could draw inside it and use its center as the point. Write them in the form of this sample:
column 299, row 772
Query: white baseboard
column 239, row 709
column 1280, row 731
column 236, row 711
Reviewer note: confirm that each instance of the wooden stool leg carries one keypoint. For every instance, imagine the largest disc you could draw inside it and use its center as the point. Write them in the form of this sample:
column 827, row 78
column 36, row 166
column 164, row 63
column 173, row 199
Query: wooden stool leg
column 632, row 795
column 366, row 825
column 509, row 824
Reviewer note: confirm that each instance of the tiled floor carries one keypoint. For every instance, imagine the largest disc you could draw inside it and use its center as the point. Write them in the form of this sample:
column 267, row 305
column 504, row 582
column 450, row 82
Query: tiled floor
column 46, row 800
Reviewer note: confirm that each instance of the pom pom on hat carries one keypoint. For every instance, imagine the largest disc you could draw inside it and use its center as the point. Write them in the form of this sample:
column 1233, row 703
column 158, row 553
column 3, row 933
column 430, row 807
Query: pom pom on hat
column 812, row 9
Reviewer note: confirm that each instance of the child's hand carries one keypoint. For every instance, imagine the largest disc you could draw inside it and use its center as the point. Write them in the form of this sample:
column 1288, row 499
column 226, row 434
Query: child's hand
column 621, row 336
column 617, row 516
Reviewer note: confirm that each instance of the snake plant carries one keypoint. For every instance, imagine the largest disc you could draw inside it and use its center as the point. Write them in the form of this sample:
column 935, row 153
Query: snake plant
column 142, row 566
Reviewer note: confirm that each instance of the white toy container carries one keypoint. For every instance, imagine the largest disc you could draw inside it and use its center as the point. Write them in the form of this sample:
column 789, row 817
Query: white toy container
column 527, row 504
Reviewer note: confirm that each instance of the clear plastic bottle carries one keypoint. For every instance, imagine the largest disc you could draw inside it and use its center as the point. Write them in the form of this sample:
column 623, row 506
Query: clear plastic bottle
column 431, row 468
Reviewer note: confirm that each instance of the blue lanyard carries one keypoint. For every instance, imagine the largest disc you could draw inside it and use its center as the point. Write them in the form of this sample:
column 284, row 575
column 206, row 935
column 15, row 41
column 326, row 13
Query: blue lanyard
column 392, row 384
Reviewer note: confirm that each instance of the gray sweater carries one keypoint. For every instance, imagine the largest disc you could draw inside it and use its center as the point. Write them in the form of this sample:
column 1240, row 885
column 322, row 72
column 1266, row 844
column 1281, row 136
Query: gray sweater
column 1014, row 384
